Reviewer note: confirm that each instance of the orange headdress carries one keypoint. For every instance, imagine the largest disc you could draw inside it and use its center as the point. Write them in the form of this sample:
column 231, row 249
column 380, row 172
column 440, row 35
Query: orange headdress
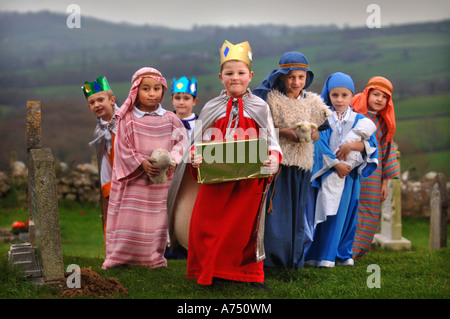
column 359, row 102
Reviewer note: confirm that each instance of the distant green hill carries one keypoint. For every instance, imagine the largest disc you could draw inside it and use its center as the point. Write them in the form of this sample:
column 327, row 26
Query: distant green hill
column 39, row 50
column 423, row 133
column 42, row 59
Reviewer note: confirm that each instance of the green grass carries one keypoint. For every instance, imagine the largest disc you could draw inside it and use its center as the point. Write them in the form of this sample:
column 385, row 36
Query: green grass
column 422, row 106
column 419, row 273
column 427, row 134
column 421, row 163
column 81, row 229
column 423, row 133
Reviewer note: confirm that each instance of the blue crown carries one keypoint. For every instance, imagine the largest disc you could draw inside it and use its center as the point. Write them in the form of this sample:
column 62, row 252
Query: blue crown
column 184, row 85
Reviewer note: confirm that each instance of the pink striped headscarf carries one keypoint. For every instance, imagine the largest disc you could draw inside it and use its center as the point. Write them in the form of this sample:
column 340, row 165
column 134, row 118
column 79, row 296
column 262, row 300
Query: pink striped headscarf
column 136, row 79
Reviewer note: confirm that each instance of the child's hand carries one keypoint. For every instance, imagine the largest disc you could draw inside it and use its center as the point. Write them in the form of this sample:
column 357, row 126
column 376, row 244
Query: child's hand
column 315, row 135
column 149, row 168
column 196, row 159
column 170, row 171
column 343, row 151
column 342, row 169
column 289, row 133
column 383, row 193
column 272, row 164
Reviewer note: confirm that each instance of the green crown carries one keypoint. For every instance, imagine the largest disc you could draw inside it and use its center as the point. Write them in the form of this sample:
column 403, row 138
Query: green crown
column 99, row 85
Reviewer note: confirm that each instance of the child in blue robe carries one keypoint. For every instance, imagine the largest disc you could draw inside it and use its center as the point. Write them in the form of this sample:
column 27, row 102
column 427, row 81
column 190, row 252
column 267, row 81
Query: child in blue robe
column 286, row 231
column 333, row 238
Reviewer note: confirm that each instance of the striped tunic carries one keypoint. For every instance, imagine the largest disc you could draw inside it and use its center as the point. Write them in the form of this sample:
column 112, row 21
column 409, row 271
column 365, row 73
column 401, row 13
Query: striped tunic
column 370, row 200
column 137, row 230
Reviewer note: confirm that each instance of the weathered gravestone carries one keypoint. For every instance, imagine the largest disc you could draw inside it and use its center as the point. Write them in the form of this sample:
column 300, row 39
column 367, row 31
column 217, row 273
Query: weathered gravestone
column 390, row 232
column 438, row 213
column 43, row 255
column 33, row 142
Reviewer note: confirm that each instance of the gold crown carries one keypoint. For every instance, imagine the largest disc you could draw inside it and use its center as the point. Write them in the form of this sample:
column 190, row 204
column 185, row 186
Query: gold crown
column 241, row 52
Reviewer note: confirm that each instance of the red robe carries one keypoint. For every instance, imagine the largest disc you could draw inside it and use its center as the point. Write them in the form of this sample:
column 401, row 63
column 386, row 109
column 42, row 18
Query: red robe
column 222, row 235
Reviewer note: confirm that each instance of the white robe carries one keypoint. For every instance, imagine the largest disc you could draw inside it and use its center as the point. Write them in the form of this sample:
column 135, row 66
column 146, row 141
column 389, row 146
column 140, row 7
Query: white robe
column 329, row 195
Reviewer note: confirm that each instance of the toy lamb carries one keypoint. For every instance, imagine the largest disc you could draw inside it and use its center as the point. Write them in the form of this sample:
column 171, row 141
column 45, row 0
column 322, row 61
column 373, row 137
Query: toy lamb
column 303, row 130
column 161, row 158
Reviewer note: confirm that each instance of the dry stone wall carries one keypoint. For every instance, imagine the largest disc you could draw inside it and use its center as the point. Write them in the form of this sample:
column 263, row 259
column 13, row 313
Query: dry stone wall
column 79, row 184
column 416, row 195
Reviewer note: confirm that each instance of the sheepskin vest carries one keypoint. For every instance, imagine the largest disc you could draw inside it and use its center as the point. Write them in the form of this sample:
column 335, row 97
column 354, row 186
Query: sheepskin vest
column 286, row 113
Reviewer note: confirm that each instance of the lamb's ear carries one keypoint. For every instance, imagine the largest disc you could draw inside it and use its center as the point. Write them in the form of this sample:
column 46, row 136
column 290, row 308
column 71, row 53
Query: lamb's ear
column 313, row 126
column 173, row 163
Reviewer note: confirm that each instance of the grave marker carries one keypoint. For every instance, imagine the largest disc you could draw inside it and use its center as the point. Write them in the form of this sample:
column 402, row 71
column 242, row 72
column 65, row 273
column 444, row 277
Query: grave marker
column 438, row 213
column 390, row 235
column 43, row 255
column 34, row 131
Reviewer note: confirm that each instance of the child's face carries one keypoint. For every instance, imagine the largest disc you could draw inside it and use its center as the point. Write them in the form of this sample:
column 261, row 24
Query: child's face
column 235, row 77
column 377, row 100
column 340, row 97
column 149, row 94
column 183, row 103
column 294, row 82
column 102, row 105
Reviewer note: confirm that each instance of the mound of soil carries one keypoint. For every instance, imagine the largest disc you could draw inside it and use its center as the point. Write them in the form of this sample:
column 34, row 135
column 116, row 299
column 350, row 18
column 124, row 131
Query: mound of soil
column 94, row 285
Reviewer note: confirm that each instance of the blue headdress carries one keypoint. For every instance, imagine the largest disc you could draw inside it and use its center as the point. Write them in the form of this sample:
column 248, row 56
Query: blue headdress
column 335, row 80
column 184, row 85
column 289, row 61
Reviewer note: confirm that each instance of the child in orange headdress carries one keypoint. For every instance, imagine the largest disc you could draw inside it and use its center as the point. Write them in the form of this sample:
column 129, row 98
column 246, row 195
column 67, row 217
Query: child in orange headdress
column 376, row 103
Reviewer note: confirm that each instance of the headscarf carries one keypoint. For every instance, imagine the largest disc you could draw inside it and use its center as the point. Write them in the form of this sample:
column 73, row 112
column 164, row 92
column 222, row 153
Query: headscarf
column 359, row 103
column 289, row 61
column 136, row 79
column 335, row 80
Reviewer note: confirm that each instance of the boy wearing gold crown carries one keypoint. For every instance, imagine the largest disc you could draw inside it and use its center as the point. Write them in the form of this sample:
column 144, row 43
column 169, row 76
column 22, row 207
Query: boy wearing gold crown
column 226, row 221
column 184, row 98
column 102, row 103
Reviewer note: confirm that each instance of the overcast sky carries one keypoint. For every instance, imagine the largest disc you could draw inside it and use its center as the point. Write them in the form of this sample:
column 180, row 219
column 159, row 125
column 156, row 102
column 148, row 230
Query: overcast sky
column 187, row 13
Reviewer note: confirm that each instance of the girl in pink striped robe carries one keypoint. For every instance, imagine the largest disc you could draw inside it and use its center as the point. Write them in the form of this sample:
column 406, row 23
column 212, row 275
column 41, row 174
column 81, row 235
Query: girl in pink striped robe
column 137, row 229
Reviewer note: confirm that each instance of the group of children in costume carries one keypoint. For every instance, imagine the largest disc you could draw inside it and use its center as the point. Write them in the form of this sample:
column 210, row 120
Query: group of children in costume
column 320, row 206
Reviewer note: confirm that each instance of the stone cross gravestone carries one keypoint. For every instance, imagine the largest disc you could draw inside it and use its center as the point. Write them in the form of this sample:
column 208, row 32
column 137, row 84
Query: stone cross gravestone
column 438, row 213
column 33, row 142
column 45, row 235
column 390, row 226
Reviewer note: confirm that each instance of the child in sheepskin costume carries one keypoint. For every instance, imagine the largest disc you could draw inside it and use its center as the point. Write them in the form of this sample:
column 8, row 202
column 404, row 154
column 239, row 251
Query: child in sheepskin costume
column 286, row 232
